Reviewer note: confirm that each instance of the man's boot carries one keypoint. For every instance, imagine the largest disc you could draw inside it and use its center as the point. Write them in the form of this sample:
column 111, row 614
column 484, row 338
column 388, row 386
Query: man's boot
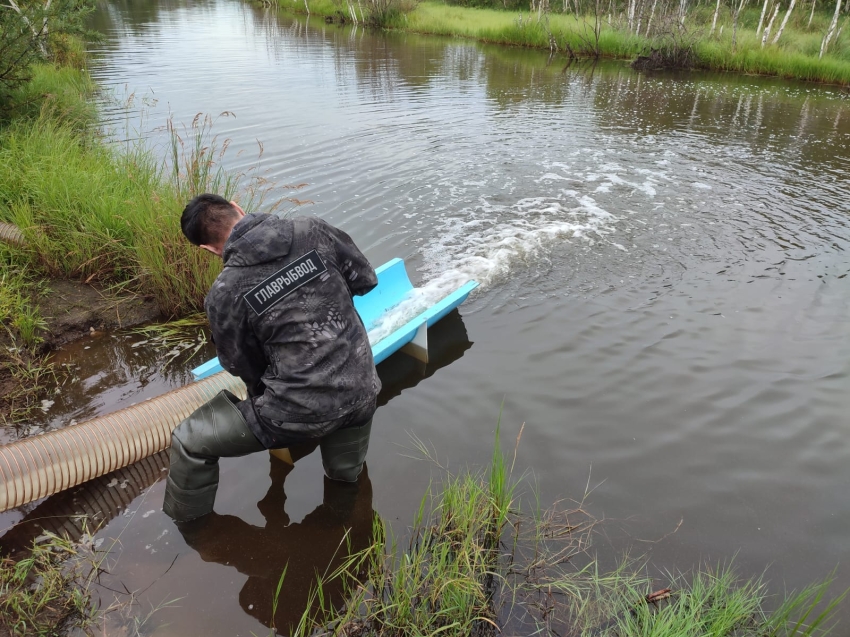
column 344, row 451
column 216, row 429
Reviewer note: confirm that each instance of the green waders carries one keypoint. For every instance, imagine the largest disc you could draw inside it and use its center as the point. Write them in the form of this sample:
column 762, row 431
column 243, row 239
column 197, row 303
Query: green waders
column 344, row 452
column 218, row 429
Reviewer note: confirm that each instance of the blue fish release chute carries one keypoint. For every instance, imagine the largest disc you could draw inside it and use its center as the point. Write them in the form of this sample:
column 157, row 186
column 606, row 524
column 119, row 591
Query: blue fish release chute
column 393, row 286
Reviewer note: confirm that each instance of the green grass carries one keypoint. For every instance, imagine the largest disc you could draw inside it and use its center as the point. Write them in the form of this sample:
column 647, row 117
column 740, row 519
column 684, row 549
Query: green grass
column 477, row 565
column 91, row 212
column 46, row 592
column 96, row 212
column 60, row 91
column 794, row 56
column 19, row 314
column 24, row 369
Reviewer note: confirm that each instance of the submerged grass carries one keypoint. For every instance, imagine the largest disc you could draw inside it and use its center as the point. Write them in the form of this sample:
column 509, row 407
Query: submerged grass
column 47, row 592
column 182, row 338
column 54, row 589
column 477, row 565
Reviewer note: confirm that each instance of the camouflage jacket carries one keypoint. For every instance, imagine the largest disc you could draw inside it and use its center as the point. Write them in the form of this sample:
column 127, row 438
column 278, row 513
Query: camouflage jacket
column 283, row 321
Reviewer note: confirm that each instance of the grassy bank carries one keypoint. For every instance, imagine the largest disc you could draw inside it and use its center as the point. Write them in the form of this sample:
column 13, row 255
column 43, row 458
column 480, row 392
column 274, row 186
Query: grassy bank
column 99, row 212
column 795, row 55
column 476, row 564
column 94, row 212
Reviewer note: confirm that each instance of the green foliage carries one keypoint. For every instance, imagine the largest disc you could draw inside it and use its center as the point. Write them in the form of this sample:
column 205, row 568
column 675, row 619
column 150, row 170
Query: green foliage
column 59, row 91
column 443, row 583
column 373, row 13
column 510, row 5
column 32, row 32
column 718, row 602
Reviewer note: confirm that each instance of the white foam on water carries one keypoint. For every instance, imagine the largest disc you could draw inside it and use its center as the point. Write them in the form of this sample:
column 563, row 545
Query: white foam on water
column 648, row 186
column 487, row 242
column 554, row 177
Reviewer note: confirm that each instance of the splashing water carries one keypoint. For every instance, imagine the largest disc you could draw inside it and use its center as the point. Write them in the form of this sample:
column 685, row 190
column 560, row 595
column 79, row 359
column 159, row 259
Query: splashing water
column 486, row 243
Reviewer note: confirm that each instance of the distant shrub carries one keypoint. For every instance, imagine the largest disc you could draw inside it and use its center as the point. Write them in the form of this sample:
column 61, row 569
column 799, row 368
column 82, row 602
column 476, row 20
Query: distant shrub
column 510, row 5
column 32, row 32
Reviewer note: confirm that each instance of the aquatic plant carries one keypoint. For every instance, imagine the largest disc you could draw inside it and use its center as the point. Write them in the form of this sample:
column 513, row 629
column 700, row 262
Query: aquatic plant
column 182, row 338
column 48, row 590
column 475, row 564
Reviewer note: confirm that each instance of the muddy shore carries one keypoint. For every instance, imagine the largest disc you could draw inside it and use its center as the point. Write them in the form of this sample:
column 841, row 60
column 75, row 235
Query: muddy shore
column 71, row 310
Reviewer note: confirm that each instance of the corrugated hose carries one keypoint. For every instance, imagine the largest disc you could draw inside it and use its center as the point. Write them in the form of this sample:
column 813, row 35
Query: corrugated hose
column 11, row 234
column 39, row 466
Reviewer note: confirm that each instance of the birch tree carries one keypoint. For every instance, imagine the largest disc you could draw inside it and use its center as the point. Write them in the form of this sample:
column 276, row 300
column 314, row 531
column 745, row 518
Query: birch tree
column 26, row 27
column 831, row 29
column 769, row 26
column 784, row 22
column 651, row 15
column 736, row 11
column 761, row 18
column 714, row 21
column 39, row 32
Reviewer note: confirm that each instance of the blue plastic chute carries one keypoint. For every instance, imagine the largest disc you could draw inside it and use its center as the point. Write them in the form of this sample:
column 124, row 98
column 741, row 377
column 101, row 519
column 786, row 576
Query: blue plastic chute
column 393, row 287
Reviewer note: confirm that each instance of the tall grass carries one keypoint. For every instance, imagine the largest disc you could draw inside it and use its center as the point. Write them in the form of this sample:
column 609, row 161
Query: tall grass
column 97, row 212
column 475, row 565
column 61, row 91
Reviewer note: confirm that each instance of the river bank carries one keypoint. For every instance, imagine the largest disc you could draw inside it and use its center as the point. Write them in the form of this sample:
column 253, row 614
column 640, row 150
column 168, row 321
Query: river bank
column 694, row 43
column 101, row 244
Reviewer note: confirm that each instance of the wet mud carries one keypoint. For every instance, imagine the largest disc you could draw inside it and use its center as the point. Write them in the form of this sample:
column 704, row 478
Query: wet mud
column 71, row 311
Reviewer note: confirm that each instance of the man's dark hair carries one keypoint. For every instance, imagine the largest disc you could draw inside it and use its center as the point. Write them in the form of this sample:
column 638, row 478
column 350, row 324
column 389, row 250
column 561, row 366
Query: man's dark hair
column 207, row 218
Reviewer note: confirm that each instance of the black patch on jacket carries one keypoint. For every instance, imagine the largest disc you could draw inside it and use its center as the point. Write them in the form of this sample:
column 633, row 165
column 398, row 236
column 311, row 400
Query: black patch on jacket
column 285, row 281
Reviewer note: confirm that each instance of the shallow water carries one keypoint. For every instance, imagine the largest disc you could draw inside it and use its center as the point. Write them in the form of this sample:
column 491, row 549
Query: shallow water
column 663, row 298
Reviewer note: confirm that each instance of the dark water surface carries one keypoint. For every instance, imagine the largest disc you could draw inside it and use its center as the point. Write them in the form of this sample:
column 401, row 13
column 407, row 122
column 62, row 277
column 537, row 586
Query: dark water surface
column 663, row 299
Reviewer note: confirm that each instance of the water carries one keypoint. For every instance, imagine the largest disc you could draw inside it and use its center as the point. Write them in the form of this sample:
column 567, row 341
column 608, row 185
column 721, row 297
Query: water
column 663, row 298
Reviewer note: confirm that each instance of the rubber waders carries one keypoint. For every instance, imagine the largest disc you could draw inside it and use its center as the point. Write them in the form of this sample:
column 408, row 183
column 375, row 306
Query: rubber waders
column 344, row 451
column 216, row 429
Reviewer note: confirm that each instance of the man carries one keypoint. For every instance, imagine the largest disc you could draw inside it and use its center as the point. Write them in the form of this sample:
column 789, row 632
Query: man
column 283, row 321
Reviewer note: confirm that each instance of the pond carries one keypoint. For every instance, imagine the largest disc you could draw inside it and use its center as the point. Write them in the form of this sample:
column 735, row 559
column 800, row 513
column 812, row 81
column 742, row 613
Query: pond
column 663, row 298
